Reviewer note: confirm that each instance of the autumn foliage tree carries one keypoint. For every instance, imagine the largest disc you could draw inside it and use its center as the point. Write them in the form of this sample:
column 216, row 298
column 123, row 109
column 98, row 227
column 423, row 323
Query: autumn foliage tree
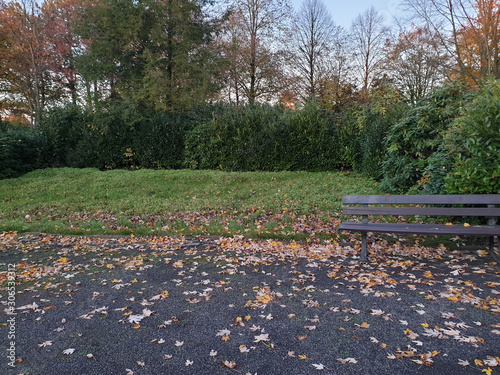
column 253, row 42
column 36, row 68
column 416, row 62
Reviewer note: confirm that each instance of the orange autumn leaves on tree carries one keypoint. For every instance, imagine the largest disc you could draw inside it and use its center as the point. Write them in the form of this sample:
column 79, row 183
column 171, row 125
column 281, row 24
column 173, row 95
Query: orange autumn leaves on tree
column 479, row 41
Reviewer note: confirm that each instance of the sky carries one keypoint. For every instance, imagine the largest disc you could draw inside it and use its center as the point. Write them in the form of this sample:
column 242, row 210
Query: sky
column 343, row 12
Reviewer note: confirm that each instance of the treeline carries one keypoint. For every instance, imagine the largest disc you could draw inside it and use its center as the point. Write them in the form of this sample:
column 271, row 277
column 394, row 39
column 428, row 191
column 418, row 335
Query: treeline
column 176, row 55
column 448, row 142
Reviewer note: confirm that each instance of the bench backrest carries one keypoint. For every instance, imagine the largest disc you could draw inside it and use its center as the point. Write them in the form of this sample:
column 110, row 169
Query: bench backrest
column 487, row 200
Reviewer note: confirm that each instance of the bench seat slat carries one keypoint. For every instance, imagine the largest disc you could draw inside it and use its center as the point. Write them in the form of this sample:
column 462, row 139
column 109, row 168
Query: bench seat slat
column 475, row 199
column 438, row 229
column 423, row 211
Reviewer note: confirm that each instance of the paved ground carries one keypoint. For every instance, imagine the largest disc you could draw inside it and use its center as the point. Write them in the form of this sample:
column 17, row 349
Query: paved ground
column 206, row 306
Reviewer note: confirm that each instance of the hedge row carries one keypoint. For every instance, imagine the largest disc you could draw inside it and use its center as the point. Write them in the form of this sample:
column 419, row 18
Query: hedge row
column 249, row 138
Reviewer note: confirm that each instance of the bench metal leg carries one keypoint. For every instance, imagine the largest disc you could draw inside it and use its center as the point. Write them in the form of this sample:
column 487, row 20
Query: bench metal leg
column 364, row 252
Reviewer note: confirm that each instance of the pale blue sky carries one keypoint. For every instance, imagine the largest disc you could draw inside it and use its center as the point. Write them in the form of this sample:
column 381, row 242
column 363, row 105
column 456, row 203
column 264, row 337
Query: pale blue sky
column 345, row 11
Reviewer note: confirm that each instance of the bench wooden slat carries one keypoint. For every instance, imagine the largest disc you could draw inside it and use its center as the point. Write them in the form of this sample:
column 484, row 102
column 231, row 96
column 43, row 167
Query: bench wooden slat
column 438, row 229
column 475, row 199
column 423, row 211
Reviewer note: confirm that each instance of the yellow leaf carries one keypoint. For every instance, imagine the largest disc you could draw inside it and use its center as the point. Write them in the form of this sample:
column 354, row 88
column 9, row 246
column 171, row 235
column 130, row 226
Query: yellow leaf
column 302, row 356
column 487, row 371
column 449, row 223
column 478, row 362
column 425, row 325
column 133, row 281
column 466, row 225
column 136, row 326
column 383, row 346
column 225, row 338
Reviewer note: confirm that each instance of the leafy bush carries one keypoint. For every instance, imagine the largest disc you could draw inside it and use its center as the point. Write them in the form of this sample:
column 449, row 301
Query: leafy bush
column 21, row 150
column 474, row 144
column 414, row 140
column 64, row 129
column 159, row 141
column 265, row 138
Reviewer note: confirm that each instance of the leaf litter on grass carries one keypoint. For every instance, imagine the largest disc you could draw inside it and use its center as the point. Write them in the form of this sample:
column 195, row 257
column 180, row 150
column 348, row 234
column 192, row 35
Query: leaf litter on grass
column 207, row 305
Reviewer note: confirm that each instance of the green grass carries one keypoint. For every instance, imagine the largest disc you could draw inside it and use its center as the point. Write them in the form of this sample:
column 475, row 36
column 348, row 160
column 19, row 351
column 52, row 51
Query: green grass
column 257, row 204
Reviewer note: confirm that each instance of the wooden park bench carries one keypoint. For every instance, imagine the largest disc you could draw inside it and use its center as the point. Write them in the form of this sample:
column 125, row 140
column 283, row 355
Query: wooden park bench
column 420, row 206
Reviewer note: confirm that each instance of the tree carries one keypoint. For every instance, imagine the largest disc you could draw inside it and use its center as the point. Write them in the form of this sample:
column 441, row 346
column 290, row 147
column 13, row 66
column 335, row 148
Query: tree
column 24, row 79
column 369, row 37
column 416, row 62
column 254, row 42
column 36, row 67
column 151, row 53
column 315, row 37
column 468, row 29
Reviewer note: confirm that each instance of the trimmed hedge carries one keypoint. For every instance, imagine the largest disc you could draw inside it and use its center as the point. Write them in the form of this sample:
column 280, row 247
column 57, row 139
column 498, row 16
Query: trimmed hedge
column 21, row 150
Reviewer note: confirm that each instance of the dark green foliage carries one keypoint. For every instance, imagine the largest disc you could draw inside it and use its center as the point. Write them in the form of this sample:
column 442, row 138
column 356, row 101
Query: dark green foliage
column 21, row 150
column 266, row 138
column 474, row 145
column 157, row 54
column 159, row 141
column 64, row 129
column 120, row 135
column 416, row 138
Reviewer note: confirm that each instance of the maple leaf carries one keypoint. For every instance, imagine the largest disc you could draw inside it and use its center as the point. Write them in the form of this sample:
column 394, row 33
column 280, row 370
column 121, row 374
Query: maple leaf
column 229, row 364
column 347, row 360
column 376, row 312
column 410, row 334
column 244, row 349
column 189, row 362
column 213, row 353
column 487, row 371
column 68, row 351
column 45, row 344
column 167, row 356
column 179, row 343
column 135, row 319
column 492, row 361
column 255, row 328
column 261, row 338
column 223, row 332
column 319, row 366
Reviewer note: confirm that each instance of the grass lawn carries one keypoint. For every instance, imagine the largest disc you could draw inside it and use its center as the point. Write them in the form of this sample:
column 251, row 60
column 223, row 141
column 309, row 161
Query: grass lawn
column 294, row 205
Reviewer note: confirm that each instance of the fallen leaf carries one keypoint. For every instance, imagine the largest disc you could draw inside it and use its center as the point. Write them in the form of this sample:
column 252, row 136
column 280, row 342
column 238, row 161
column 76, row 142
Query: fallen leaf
column 45, row 344
column 347, row 360
column 229, row 364
column 261, row 338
